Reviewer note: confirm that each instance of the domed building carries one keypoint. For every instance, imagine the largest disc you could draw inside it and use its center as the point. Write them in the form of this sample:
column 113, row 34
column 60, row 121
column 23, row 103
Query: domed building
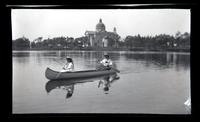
column 100, row 27
column 101, row 37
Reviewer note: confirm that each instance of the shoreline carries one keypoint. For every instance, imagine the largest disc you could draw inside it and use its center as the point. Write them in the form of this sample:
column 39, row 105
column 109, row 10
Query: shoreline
column 110, row 49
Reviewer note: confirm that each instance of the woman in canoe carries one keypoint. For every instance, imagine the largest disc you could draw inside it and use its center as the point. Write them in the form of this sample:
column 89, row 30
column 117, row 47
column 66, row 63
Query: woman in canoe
column 69, row 66
column 105, row 63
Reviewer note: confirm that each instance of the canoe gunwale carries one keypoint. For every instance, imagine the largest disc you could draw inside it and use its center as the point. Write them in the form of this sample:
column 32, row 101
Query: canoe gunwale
column 52, row 75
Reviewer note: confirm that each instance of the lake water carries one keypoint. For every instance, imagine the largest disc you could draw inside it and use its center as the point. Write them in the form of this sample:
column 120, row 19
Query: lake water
column 150, row 82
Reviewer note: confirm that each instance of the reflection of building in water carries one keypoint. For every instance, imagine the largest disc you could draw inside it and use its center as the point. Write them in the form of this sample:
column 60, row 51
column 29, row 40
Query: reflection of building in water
column 101, row 37
column 174, row 58
column 171, row 58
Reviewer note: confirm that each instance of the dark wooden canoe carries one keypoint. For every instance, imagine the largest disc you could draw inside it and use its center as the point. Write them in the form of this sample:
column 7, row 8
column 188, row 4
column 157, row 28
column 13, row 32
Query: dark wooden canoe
column 55, row 75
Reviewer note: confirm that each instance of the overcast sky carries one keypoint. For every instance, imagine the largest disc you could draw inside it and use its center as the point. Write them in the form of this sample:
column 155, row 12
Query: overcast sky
column 33, row 23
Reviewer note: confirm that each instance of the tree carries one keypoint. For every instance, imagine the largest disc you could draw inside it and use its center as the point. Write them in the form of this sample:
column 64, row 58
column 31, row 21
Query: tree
column 129, row 41
column 81, row 42
column 33, row 45
column 39, row 39
column 184, row 40
column 178, row 34
column 21, row 43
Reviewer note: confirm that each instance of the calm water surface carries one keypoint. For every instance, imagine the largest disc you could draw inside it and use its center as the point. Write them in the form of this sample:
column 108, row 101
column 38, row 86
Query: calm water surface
column 150, row 82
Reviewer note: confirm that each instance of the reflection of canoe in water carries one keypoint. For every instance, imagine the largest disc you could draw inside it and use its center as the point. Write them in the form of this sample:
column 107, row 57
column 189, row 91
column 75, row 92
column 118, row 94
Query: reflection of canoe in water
column 53, row 84
column 55, row 75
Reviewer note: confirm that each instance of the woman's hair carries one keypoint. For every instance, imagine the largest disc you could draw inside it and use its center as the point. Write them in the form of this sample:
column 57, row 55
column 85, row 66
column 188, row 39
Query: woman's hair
column 69, row 60
column 106, row 56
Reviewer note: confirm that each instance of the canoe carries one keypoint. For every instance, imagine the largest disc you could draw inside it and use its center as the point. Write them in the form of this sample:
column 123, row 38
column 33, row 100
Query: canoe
column 55, row 75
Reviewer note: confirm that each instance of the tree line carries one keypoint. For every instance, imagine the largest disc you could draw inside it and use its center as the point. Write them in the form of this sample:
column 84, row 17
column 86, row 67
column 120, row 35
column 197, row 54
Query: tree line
column 157, row 42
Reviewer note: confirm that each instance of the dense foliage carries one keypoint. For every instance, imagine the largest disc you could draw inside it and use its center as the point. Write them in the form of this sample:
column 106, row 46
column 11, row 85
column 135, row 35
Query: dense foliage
column 161, row 41
column 21, row 43
column 158, row 42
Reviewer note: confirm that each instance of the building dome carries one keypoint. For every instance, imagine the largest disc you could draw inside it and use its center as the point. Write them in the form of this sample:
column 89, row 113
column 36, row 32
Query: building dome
column 100, row 26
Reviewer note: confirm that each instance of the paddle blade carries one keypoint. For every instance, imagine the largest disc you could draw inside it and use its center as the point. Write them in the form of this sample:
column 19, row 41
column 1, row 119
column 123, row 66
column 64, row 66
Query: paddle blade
column 116, row 70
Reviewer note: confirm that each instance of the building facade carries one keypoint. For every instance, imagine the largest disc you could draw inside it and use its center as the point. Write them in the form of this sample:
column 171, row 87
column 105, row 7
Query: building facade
column 101, row 37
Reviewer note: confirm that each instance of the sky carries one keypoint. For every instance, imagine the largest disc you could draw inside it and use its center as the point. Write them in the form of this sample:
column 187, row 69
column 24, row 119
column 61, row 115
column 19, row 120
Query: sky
column 49, row 23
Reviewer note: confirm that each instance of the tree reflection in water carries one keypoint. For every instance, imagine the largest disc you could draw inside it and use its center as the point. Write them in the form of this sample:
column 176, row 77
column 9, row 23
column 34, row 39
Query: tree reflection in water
column 162, row 60
column 22, row 57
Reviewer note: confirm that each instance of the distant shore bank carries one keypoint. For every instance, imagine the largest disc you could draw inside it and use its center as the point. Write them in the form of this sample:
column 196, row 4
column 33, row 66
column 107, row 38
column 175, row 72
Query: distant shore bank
column 112, row 49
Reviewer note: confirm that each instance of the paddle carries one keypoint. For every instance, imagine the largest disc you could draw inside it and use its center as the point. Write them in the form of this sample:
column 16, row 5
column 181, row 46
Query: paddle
column 58, row 62
column 60, row 71
column 59, row 74
column 115, row 69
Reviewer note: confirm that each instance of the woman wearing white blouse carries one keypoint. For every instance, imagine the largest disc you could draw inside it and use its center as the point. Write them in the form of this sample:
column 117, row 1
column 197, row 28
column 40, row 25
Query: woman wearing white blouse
column 69, row 66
